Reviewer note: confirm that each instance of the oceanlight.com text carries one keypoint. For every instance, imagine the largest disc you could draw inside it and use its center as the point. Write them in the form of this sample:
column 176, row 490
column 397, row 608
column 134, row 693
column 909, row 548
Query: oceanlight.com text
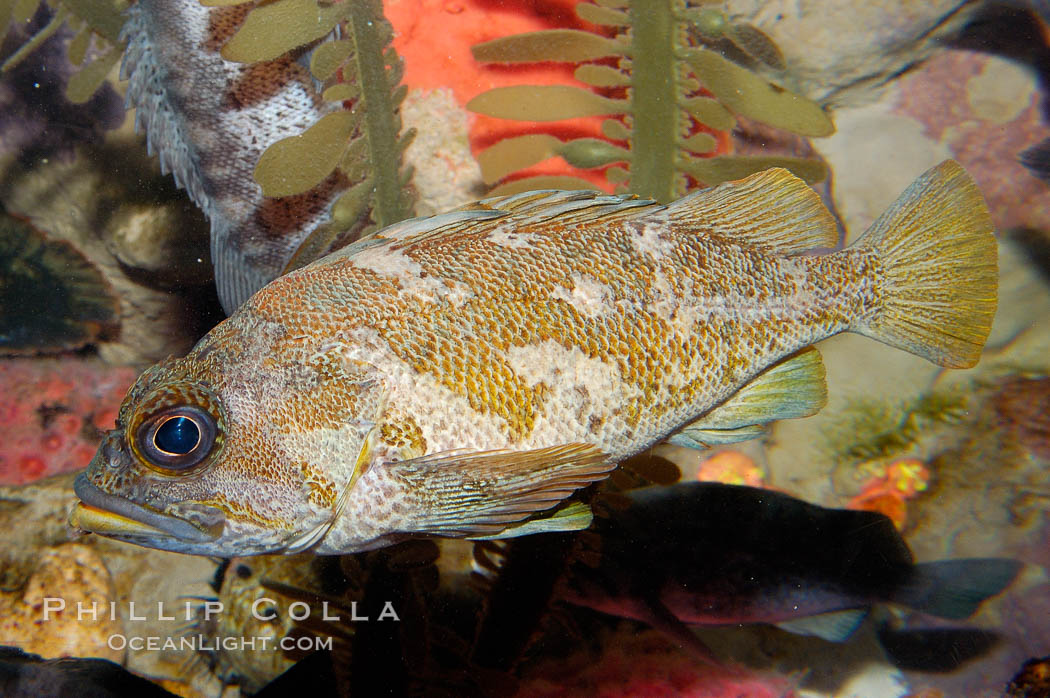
column 199, row 643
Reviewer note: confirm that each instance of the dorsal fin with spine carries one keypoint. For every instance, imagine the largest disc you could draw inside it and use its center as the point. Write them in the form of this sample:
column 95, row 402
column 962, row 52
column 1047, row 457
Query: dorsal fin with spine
column 525, row 209
column 772, row 209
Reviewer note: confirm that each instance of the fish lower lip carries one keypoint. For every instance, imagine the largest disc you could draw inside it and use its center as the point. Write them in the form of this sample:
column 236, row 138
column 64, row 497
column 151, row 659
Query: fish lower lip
column 106, row 514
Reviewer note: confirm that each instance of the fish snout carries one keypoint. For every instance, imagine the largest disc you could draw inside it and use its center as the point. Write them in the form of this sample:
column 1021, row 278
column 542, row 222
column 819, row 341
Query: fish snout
column 113, row 515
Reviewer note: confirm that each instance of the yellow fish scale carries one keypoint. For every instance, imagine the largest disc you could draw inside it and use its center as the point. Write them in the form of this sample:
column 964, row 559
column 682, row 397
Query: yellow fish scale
column 521, row 296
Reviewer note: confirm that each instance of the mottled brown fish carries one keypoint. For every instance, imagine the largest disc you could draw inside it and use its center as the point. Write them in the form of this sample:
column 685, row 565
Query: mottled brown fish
column 461, row 375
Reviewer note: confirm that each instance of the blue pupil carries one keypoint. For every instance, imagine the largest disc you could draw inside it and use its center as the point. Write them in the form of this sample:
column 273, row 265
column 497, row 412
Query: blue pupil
column 178, row 435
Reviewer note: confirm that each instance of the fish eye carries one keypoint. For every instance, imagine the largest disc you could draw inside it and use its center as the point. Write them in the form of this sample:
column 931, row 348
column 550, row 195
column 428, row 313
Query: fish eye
column 177, row 438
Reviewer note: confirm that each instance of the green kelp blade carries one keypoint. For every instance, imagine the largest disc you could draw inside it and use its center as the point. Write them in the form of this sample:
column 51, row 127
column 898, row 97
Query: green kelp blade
column 712, row 171
column 700, row 143
column 565, row 45
column 327, row 58
column 78, row 45
column 272, row 29
column 710, row 113
column 56, row 22
column 22, row 10
column 105, row 18
column 710, row 22
column 544, row 103
column 755, row 43
column 297, row 164
column 340, row 92
column 616, row 130
column 588, row 153
column 541, row 183
column 7, row 8
column 605, row 16
column 86, row 81
column 356, row 162
column 750, row 95
column 602, row 76
column 352, row 205
column 513, row 154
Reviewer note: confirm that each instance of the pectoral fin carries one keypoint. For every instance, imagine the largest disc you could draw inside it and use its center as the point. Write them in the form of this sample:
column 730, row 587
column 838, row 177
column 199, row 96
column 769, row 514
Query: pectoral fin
column 836, row 626
column 792, row 388
column 483, row 494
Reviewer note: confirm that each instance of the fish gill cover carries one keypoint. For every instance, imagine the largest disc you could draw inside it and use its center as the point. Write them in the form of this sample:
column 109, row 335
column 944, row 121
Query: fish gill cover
column 666, row 92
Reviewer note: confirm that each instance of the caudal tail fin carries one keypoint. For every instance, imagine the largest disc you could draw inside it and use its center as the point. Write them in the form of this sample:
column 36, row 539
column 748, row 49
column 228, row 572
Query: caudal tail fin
column 939, row 270
column 955, row 588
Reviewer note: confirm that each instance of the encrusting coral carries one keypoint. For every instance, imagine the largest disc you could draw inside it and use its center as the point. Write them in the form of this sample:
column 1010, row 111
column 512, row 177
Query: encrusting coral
column 53, row 412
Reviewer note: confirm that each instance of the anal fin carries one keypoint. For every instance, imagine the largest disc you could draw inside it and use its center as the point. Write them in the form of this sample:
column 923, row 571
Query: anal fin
column 793, row 388
column 483, row 494
column 575, row 516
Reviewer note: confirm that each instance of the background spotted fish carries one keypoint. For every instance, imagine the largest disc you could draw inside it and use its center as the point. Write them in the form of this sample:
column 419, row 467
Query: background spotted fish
column 462, row 375
column 209, row 119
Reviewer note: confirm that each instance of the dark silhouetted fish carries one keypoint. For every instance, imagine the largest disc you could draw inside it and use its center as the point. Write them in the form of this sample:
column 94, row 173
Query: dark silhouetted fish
column 1037, row 160
column 935, row 650
column 25, row 675
column 713, row 554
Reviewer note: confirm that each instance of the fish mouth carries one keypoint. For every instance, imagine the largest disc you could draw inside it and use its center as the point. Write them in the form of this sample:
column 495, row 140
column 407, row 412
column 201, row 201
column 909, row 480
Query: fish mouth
column 108, row 515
